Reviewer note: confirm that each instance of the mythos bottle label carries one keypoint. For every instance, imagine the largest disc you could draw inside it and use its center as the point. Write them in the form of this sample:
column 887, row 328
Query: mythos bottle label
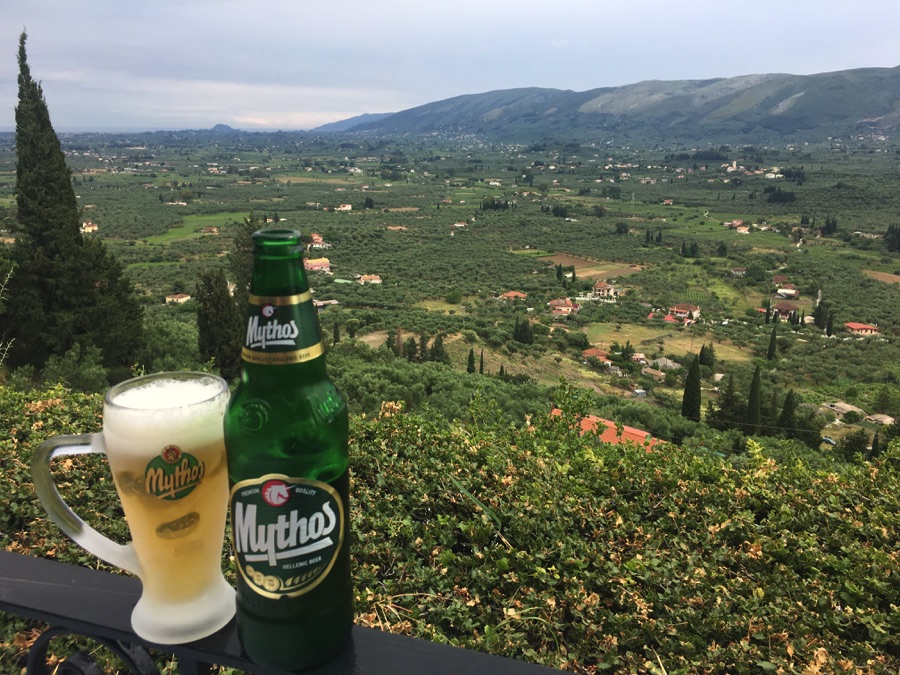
column 287, row 533
column 281, row 330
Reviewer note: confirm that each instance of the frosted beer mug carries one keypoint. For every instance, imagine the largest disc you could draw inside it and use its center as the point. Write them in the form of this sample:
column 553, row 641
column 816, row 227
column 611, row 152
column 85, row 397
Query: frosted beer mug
column 162, row 435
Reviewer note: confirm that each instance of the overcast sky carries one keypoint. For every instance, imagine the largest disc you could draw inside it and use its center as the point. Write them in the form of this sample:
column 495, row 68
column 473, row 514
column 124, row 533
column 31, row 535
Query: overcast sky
column 297, row 64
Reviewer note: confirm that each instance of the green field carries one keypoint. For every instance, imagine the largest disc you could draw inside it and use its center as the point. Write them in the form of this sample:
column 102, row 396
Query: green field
column 191, row 225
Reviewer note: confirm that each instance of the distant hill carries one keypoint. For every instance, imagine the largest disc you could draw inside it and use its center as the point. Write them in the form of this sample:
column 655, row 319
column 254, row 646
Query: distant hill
column 755, row 105
column 344, row 125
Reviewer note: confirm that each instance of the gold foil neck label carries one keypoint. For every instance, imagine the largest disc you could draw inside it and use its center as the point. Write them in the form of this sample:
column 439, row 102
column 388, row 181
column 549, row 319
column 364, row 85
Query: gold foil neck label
column 280, row 300
column 283, row 358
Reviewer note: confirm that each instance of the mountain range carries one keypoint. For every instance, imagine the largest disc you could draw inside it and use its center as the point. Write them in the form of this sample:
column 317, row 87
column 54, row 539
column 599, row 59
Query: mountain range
column 758, row 106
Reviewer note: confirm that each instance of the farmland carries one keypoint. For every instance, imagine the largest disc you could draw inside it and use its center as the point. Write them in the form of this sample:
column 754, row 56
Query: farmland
column 452, row 227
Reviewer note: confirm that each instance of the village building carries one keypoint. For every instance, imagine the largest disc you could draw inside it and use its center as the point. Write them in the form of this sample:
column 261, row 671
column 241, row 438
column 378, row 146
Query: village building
column 788, row 291
column 344, row 207
column 653, row 374
column 318, row 242
column 88, row 227
column 609, row 433
column 784, row 309
column 177, row 298
column 513, row 295
column 595, row 353
column 370, row 279
column 317, row 265
column 861, row 328
column 605, row 292
column 685, row 311
column 563, row 307
column 665, row 364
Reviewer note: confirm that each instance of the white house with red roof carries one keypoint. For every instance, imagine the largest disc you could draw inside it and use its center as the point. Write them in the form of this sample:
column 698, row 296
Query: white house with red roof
column 861, row 328
column 605, row 292
column 685, row 311
column 563, row 306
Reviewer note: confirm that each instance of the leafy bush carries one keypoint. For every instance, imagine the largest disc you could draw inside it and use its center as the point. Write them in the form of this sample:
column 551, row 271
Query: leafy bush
column 544, row 545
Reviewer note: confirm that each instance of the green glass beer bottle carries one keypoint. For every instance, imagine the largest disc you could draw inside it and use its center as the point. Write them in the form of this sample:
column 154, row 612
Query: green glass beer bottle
column 286, row 432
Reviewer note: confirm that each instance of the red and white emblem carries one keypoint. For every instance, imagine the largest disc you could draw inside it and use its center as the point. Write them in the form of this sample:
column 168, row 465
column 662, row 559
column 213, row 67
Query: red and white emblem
column 276, row 492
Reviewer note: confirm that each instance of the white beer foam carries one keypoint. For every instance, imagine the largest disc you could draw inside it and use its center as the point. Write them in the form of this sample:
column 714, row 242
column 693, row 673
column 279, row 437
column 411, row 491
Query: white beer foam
column 144, row 419
column 167, row 393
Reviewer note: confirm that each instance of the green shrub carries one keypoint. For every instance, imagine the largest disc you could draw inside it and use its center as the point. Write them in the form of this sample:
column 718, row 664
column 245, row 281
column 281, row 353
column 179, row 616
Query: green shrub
column 544, row 545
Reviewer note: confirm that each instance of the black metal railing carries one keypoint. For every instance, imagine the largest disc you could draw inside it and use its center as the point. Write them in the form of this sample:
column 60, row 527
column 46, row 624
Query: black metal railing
column 74, row 600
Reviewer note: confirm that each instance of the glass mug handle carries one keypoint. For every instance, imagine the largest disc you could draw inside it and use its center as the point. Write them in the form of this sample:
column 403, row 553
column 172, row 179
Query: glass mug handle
column 60, row 512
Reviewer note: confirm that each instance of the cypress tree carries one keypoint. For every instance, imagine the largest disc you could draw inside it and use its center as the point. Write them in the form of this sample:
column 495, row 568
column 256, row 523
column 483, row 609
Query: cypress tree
column 770, row 354
column 470, row 364
column 754, row 405
column 481, row 364
column 240, row 258
column 787, row 421
column 67, row 290
column 410, row 350
column 730, row 408
column 437, row 352
column 690, row 402
column 218, row 324
column 876, row 447
column 708, row 355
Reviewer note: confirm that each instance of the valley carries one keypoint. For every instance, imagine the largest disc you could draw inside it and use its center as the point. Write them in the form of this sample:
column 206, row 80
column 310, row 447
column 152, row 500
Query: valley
column 754, row 238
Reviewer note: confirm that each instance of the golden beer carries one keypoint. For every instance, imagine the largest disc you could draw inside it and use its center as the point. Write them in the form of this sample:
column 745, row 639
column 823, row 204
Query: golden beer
column 163, row 437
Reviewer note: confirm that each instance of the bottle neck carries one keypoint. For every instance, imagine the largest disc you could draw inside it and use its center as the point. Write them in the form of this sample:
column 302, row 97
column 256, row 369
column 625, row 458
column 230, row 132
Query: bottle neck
column 283, row 336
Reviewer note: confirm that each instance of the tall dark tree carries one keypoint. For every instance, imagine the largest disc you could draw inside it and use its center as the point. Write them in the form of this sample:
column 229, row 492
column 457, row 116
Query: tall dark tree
column 708, row 355
column 730, row 410
column 481, row 364
column 523, row 332
column 820, row 315
column 875, row 450
column 773, row 342
column 219, row 323
column 787, row 421
column 470, row 364
column 690, row 402
column 754, row 405
column 67, row 290
column 410, row 350
column 240, row 258
column 892, row 238
column 438, row 353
